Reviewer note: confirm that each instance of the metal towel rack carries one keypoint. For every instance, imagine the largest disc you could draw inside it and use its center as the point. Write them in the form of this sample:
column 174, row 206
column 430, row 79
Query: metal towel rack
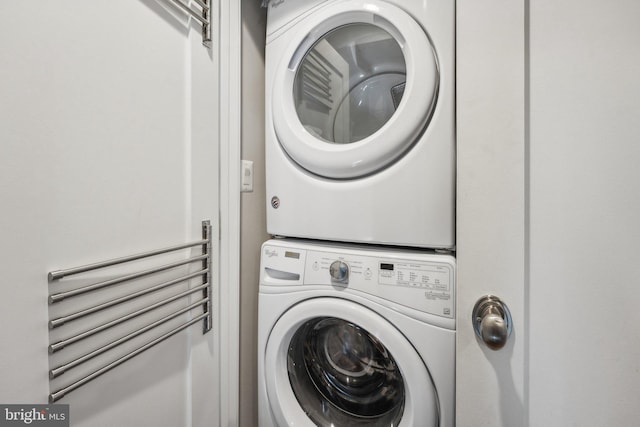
column 203, row 16
column 203, row 290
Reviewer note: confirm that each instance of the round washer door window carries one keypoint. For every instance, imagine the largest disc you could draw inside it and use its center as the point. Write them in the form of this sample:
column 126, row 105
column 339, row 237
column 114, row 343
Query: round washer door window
column 356, row 88
column 342, row 375
column 331, row 370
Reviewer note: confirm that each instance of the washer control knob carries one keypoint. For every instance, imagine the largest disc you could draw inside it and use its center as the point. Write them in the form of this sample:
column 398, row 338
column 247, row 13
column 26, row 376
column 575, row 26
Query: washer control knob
column 339, row 272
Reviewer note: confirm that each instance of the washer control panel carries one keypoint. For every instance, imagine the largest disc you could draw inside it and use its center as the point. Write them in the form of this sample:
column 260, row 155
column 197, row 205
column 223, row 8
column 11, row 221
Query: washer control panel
column 416, row 275
column 423, row 281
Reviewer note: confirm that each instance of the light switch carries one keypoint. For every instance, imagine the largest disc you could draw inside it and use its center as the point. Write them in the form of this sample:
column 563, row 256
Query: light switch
column 247, row 176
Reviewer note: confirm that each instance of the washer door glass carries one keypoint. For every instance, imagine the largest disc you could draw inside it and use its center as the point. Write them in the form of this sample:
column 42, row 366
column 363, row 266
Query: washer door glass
column 350, row 83
column 347, row 368
column 342, row 375
column 355, row 89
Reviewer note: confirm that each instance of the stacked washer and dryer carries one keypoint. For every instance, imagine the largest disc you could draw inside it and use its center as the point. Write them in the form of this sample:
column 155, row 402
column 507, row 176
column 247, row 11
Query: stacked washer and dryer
column 357, row 292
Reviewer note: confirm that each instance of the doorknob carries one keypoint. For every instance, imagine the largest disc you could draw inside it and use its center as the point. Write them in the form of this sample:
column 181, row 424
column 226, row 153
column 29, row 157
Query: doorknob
column 492, row 321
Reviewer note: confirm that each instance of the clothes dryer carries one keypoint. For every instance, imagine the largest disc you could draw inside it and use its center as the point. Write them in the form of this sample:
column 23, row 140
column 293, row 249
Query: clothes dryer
column 355, row 336
column 360, row 142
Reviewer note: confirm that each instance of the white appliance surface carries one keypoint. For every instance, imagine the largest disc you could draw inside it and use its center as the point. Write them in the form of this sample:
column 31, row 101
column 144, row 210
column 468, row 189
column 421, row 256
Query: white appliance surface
column 360, row 121
column 331, row 315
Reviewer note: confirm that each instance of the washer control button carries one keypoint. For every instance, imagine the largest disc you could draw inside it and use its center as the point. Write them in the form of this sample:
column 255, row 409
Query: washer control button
column 339, row 272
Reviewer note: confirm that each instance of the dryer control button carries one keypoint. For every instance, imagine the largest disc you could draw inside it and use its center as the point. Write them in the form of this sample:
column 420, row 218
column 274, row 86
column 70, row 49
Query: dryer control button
column 339, row 272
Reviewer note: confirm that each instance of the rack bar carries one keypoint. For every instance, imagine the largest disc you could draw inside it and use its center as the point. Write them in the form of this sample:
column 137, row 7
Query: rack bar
column 62, row 344
column 308, row 69
column 203, row 16
column 91, row 310
column 202, row 4
column 59, row 274
column 314, row 80
column 206, row 265
column 321, row 61
column 188, row 10
column 190, row 302
column 56, row 372
column 318, row 68
column 62, row 295
column 57, row 395
column 312, row 91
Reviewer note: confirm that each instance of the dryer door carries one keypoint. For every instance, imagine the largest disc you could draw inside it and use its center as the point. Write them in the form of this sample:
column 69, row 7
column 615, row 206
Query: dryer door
column 356, row 87
column 350, row 368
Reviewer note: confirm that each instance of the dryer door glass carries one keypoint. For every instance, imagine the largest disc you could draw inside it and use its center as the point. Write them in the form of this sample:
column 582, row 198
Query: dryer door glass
column 350, row 83
column 355, row 89
column 342, row 375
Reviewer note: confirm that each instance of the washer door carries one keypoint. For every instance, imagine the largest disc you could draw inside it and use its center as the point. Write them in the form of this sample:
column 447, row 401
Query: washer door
column 351, row 367
column 356, row 87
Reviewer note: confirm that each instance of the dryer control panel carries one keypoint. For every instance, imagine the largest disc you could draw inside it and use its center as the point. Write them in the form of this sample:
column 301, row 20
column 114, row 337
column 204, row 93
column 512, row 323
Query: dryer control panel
column 422, row 281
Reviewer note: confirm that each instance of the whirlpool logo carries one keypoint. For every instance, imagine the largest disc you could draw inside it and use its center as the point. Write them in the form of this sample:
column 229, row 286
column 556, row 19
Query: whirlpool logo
column 270, row 253
column 36, row 415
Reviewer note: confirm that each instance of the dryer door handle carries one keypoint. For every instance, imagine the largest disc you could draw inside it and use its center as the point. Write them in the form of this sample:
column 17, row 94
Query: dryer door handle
column 492, row 321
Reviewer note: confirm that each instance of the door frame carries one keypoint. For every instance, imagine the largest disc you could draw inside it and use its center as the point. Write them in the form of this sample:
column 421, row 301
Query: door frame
column 492, row 206
column 229, row 33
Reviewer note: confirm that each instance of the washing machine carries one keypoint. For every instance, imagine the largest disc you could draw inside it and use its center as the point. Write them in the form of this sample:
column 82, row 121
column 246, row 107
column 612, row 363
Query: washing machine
column 360, row 121
column 355, row 336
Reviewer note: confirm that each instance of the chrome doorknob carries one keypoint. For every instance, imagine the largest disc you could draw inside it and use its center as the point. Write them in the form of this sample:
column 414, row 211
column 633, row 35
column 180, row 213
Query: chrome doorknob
column 492, row 321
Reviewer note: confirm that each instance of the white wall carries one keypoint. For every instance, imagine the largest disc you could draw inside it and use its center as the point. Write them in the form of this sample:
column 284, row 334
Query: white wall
column 254, row 231
column 105, row 151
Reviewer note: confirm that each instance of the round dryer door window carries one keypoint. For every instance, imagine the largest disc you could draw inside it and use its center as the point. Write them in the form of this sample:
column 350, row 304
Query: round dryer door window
column 333, row 371
column 356, row 88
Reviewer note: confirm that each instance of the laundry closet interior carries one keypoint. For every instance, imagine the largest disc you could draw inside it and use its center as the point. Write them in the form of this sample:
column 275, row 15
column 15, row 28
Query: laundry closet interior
column 320, row 212
column 522, row 185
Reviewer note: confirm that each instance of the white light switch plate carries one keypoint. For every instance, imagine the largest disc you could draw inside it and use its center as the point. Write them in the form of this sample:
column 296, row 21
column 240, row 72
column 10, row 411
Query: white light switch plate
column 247, row 176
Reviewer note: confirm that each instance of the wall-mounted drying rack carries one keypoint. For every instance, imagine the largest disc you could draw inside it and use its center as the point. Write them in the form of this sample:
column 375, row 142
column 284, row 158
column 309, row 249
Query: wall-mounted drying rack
column 146, row 288
column 317, row 81
column 203, row 16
